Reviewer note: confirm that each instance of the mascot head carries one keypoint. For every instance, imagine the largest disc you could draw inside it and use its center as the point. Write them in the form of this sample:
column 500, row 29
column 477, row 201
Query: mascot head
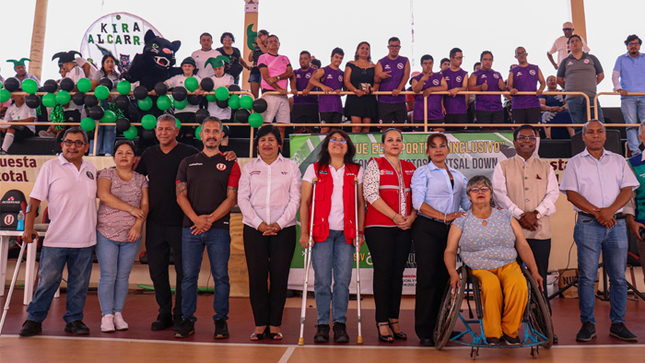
column 159, row 52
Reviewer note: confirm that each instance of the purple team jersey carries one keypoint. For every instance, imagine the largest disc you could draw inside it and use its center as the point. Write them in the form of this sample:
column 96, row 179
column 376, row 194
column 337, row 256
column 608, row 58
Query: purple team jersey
column 455, row 105
column 434, row 101
column 302, row 80
column 525, row 79
column 333, row 79
column 485, row 102
column 396, row 67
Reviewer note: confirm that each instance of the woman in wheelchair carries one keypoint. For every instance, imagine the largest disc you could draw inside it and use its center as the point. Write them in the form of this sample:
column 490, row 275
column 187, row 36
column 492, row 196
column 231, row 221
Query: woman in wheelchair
column 489, row 240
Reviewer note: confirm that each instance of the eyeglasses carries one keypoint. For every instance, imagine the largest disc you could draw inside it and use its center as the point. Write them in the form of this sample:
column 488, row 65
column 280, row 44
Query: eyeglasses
column 526, row 138
column 77, row 143
column 342, row 141
column 633, row 43
column 394, row 46
column 520, row 53
column 483, row 189
column 227, row 38
column 568, row 29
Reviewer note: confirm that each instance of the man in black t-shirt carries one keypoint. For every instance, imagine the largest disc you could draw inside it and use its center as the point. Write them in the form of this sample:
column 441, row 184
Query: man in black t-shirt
column 206, row 189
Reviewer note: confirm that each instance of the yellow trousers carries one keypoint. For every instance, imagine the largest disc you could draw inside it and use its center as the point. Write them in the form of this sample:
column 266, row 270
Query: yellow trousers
column 502, row 287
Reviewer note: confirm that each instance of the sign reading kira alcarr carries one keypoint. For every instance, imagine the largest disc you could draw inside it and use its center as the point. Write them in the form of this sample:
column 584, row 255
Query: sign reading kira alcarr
column 475, row 153
column 119, row 34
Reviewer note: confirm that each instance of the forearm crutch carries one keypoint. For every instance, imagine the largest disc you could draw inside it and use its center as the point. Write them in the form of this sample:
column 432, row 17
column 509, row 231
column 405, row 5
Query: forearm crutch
column 13, row 284
column 307, row 265
column 359, row 340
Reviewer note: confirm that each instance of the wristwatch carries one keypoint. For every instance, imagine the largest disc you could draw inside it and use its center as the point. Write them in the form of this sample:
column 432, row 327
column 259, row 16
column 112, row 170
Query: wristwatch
column 538, row 215
column 278, row 78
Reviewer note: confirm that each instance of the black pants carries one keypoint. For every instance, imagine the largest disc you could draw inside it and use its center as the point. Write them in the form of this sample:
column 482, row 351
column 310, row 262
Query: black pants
column 389, row 249
column 541, row 250
column 160, row 239
column 430, row 239
column 268, row 256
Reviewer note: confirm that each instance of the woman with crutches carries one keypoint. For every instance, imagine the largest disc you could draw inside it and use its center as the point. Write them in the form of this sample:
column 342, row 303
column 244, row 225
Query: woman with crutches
column 388, row 231
column 334, row 229
column 269, row 198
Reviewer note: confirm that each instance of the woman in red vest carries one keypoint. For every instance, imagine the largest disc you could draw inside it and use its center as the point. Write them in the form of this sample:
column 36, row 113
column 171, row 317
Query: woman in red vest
column 387, row 229
column 334, row 228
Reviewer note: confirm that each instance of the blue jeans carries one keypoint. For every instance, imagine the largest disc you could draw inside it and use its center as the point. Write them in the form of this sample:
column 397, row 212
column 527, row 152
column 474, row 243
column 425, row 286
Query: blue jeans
column 106, row 139
column 633, row 108
column 50, row 273
column 218, row 246
column 115, row 263
column 578, row 110
column 334, row 254
column 592, row 238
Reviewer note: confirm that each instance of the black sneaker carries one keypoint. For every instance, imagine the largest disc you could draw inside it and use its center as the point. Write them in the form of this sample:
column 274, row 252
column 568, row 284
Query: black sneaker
column 30, row 328
column 221, row 329
column 176, row 323
column 340, row 333
column 186, row 329
column 510, row 340
column 322, row 333
column 162, row 322
column 620, row 331
column 587, row 332
column 77, row 327
column 493, row 342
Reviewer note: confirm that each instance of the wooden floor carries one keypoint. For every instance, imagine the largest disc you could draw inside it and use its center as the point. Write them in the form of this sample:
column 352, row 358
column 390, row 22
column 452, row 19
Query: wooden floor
column 140, row 345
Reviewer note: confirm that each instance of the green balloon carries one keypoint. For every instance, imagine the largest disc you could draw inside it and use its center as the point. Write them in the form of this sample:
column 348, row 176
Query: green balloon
column 29, row 86
column 109, row 117
column 148, row 122
column 4, row 95
column 124, row 87
column 178, row 123
column 180, row 105
column 62, row 97
column 255, row 120
column 191, row 84
column 101, row 92
column 84, row 85
column 49, row 100
column 88, row 124
column 130, row 133
column 145, row 104
column 211, row 98
column 246, row 102
column 234, row 102
column 222, row 93
column 198, row 132
column 164, row 102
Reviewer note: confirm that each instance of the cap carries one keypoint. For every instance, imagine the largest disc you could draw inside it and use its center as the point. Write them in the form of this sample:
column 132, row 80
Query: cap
column 567, row 25
column 189, row 60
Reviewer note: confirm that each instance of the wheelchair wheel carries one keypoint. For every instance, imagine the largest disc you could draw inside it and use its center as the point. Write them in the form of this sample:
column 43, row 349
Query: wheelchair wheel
column 539, row 315
column 449, row 311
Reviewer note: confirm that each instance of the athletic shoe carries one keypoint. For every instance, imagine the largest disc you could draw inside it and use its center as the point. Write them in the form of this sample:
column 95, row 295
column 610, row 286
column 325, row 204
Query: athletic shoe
column 119, row 323
column 186, row 329
column 107, row 323
column 620, row 331
column 77, row 327
column 587, row 332
column 340, row 333
column 322, row 333
column 163, row 322
column 221, row 329
column 510, row 340
column 493, row 341
column 30, row 328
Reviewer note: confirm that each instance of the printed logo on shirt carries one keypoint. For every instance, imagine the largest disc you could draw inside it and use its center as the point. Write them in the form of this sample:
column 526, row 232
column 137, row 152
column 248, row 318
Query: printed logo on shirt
column 400, row 65
column 458, row 79
column 435, row 82
column 570, row 63
column 298, row 75
column 447, row 78
column 256, row 172
column 221, row 166
column 496, row 76
column 586, row 61
column 90, row 175
column 308, row 75
column 519, row 73
column 532, row 72
column 322, row 172
column 284, row 172
column 409, row 172
column 537, row 176
column 340, row 77
column 329, row 76
column 483, row 76
column 387, row 172
column 387, row 66
column 195, row 164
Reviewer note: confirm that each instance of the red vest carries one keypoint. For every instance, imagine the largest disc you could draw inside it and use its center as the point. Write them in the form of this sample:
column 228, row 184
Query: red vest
column 389, row 191
column 324, row 190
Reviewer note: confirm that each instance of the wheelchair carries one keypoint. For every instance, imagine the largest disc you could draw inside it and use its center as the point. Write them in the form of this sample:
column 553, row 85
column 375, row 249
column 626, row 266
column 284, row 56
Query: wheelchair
column 536, row 330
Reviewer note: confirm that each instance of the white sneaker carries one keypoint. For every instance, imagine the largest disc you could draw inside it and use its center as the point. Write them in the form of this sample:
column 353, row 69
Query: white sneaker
column 107, row 323
column 119, row 323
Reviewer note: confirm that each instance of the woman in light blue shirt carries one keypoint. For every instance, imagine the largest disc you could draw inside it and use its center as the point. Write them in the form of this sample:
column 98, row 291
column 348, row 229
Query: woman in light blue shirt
column 439, row 194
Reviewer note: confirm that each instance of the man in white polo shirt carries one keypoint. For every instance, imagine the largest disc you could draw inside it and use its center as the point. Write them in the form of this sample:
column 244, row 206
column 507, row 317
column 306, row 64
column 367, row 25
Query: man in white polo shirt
column 68, row 183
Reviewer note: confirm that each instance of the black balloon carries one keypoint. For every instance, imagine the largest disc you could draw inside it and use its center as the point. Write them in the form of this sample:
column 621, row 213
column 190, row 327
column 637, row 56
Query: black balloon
column 259, row 105
column 32, row 101
column 201, row 115
column 242, row 116
column 91, row 101
column 222, row 104
column 234, row 88
column 107, row 83
column 161, row 89
column 67, row 84
column 140, row 92
column 50, row 86
column 122, row 124
column 207, row 84
column 96, row 112
column 194, row 100
column 78, row 98
column 179, row 93
column 148, row 134
column 11, row 84
column 122, row 102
